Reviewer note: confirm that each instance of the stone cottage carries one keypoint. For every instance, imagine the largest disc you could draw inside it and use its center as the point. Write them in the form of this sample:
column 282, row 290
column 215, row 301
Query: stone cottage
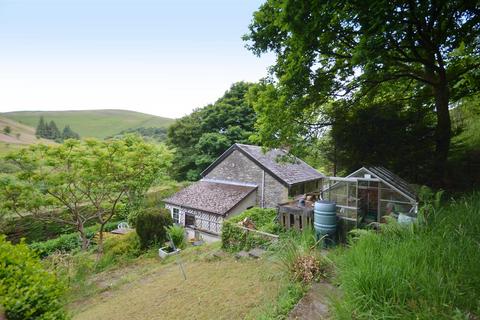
column 242, row 177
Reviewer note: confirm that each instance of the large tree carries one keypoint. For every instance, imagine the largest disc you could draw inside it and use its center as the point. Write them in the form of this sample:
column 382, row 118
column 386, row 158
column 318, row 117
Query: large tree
column 345, row 49
column 81, row 181
column 203, row 135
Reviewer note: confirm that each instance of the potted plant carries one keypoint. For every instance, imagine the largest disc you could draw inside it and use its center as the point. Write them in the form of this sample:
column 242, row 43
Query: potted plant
column 176, row 234
column 166, row 251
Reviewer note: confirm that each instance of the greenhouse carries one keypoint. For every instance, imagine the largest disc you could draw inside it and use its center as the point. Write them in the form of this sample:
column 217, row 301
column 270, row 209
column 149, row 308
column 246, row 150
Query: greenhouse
column 369, row 194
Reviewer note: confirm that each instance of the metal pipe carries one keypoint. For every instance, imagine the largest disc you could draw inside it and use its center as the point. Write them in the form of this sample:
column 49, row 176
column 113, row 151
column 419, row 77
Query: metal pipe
column 263, row 189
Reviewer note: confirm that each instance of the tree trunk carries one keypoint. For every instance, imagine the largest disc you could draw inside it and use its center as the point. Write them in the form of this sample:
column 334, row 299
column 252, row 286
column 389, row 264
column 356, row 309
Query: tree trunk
column 83, row 236
column 443, row 131
column 100, row 239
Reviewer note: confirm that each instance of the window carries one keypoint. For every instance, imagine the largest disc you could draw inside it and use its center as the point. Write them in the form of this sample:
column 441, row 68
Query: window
column 189, row 220
column 176, row 215
column 292, row 220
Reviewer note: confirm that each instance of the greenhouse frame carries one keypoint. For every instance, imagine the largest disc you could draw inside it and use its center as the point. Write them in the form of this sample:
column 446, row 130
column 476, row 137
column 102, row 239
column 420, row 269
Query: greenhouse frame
column 370, row 193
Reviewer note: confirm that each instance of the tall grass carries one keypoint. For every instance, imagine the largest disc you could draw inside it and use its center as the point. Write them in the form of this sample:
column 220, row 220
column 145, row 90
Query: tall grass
column 415, row 272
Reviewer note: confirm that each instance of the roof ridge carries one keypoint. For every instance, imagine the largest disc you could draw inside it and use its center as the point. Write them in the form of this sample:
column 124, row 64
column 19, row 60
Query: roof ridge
column 234, row 183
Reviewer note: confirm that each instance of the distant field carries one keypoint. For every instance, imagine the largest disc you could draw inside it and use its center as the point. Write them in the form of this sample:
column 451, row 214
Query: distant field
column 19, row 137
column 92, row 123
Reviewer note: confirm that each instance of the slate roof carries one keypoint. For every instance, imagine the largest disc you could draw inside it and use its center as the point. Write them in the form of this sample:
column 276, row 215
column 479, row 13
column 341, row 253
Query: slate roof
column 213, row 197
column 289, row 173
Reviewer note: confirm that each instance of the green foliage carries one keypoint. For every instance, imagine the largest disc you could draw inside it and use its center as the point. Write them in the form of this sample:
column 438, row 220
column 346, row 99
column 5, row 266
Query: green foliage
column 7, row 167
column 154, row 134
column 464, row 160
column 394, row 134
column 300, row 256
column 163, row 190
column 151, row 226
column 424, row 271
column 289, row 295
column 64, row 243
column 118, row 249
column 429, row 203
column 7, row 130
column 41, row 129
column 27, row 291
column 49, row 130
column 202, row 136
column 68, row 133
column 87, row 179
column 68, row 242
column 236, row 239
column 177, row 235
column 338, row 52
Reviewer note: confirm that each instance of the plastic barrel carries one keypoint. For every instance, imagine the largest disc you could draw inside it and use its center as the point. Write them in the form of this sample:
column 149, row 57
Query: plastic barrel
column 325, row 218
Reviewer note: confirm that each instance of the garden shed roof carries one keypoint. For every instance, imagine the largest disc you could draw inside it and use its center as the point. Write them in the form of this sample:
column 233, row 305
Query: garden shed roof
column 289, row 172
column 209, row 196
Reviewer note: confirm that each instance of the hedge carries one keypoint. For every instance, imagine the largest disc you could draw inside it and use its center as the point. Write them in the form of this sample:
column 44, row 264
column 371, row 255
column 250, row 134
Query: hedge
column 236, row 239
column 68, row 242
column 27, row 290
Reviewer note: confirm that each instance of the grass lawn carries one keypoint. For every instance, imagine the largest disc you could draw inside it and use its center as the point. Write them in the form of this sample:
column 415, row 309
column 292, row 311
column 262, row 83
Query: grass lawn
column 151, row 289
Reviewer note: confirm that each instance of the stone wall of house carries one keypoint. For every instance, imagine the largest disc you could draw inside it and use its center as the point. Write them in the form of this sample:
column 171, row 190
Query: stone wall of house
column 238, row 168
column 249, row 201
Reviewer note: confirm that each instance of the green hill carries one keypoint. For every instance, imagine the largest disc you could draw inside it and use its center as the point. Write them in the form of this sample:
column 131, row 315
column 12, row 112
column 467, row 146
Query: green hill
column 20, row 135
column 92, row 123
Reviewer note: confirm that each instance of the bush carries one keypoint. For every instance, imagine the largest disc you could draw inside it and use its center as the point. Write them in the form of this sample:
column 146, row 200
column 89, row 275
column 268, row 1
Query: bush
column 151, row 226
column 119, row 248
column 300, row 256
column 127, row 245
column 27, row 291
column 177, row 235
column 34, row 229
column 235, row 239
column 64, row 243
column 425, row 271
column 67, row 242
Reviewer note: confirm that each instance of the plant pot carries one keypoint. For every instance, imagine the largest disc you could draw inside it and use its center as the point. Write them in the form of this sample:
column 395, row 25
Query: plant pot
column 167, row 251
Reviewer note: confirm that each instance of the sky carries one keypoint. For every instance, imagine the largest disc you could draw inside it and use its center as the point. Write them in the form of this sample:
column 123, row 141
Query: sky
column 153, row 56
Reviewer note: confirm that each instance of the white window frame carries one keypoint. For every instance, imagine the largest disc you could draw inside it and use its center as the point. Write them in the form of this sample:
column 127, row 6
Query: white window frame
column 176, row 215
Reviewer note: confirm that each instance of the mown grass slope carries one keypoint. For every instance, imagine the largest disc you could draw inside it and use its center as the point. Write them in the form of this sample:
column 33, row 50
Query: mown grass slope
column 221, row 288
column 92, row 123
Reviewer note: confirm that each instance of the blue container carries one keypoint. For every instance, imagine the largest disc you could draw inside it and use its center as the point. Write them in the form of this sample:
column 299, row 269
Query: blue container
column 325, row 218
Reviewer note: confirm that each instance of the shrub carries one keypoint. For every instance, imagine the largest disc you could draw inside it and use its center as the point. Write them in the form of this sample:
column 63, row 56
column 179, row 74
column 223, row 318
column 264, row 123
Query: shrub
column 264, row 219
column 425, row 271
column 117, row 249
column 235, row 239
column 35, row 230
column 64, row 243
column 151, row 225
column 67, row 242
column 177, row 235
column 127, row 245
column 299, row 254
column 27, row 291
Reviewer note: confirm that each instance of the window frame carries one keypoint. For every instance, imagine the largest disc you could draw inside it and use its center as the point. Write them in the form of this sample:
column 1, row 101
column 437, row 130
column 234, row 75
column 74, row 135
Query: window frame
column 176, row 212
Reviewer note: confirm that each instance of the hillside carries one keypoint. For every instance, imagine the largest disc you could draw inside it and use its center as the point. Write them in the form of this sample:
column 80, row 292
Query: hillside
column 20, row 135
column 92, row 123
